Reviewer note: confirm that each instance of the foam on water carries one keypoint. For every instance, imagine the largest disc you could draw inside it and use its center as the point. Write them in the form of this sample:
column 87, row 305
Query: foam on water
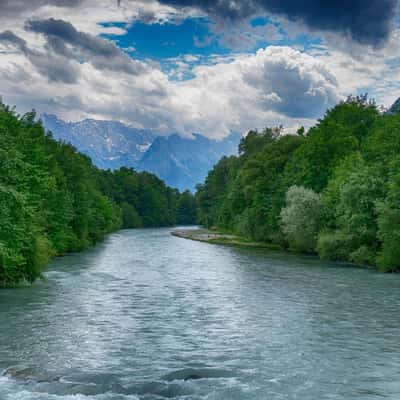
column 12, row 390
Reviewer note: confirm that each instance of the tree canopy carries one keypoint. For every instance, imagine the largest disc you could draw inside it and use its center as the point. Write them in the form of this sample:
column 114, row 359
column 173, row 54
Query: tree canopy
column 333, row 190
column 53, row 200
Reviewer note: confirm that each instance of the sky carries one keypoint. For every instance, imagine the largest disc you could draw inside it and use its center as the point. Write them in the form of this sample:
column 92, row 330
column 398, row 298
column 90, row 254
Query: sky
column 207, row 66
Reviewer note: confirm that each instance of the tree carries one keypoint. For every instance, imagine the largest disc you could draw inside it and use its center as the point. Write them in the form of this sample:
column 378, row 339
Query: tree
column 187, row 209
column 389, row 228
column 301, row 218
column 53, row 200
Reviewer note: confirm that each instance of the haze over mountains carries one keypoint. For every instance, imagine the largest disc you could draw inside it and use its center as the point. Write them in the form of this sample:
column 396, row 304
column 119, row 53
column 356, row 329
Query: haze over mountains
column 181, row 162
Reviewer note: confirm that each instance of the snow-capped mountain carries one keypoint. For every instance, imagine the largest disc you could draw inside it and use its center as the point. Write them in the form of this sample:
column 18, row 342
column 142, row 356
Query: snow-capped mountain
column 180, row 161
column 110, row 144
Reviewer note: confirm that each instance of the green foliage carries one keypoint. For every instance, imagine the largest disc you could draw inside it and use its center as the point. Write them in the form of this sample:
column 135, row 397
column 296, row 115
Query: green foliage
column 255, row 140
column 351, row 197
column 334, row 189
column 334, row 246
column 187, row 209
column 54, row 201
column 130, row 217
column 301, row 218
column 389, row 227
column 211, row 195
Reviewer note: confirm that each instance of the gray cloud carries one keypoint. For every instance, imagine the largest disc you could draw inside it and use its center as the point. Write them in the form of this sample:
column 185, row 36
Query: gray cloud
column 295, row 85
column 57, row 69
column 64, row 39
column 66, row 47
column 12, row 39
column 365, row 21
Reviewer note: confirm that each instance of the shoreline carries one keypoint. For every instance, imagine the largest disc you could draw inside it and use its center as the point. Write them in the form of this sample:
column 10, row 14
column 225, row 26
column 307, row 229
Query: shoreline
column 218, row 238
column 214, row 237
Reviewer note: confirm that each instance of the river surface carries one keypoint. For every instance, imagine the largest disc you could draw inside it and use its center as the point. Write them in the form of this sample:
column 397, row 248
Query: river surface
column 146, row 315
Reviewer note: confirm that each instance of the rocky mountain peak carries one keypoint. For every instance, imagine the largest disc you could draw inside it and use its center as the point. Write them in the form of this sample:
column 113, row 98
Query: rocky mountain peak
column 395, row 108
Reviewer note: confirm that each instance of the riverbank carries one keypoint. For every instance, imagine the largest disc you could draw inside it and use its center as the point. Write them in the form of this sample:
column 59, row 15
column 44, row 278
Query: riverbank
column 220, row 238
column 215, row 237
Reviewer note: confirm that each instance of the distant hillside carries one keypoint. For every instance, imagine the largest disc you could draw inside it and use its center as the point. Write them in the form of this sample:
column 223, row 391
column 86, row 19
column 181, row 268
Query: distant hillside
column 109, row 144
column 185, row 162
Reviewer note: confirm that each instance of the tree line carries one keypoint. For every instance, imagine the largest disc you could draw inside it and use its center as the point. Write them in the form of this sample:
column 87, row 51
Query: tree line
column 333, row 191
column 53, row 200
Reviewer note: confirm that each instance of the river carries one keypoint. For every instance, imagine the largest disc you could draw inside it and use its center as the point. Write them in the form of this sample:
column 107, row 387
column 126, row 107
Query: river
column 145, row 315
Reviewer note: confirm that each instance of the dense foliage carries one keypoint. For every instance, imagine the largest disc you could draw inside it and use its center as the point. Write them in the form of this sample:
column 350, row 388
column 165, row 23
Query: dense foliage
column 54, row 201
column 334, row 191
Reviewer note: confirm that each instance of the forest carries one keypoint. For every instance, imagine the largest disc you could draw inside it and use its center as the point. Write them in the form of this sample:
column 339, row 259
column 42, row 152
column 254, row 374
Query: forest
column 54, row 201
column 332, row 191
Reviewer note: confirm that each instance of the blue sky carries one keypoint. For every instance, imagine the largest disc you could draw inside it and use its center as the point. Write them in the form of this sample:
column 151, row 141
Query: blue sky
column 167, row 40
column 195, row 36
column 199, row 41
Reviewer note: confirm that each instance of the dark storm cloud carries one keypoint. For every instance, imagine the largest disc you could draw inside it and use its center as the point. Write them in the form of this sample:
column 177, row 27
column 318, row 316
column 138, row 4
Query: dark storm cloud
column 64, row 39
column 366, row 21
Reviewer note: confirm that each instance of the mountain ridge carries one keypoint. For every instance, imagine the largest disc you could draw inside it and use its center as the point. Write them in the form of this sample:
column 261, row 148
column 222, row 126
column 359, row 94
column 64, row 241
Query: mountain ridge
column 395, row 108
column 181, row 162
column 185, row 162
column 110, row 144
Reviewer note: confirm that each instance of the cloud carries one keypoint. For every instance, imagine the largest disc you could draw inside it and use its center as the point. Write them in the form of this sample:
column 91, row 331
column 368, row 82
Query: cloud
column 367, row 22
column 14, row 40
column 65, row 40
column 214, row 95
column 293, row 83
column 92, row 16
column 57, row 69
column 275, row 85
column 66, row 47
column 241, row 35
column 11, row 8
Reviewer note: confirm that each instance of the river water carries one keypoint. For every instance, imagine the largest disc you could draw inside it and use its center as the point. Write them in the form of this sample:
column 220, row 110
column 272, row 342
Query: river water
column 146, row 315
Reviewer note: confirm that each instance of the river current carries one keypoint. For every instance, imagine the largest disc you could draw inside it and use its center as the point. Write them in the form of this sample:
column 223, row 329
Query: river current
column 145, row 315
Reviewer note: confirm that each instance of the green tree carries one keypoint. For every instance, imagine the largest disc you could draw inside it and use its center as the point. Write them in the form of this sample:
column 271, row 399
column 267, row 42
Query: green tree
column 301, row 218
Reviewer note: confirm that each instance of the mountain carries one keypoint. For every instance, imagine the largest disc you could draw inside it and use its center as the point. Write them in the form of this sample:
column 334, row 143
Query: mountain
column 110, row 144
column 181, row 162
column 184, row 162
column 395, row 109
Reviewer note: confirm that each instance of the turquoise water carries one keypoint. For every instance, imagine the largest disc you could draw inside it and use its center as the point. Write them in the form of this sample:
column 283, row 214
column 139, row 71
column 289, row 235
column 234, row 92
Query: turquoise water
column 146, row 315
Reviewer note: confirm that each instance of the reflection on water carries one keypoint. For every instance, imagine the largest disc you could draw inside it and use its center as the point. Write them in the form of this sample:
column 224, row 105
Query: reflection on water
column 146, row 315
